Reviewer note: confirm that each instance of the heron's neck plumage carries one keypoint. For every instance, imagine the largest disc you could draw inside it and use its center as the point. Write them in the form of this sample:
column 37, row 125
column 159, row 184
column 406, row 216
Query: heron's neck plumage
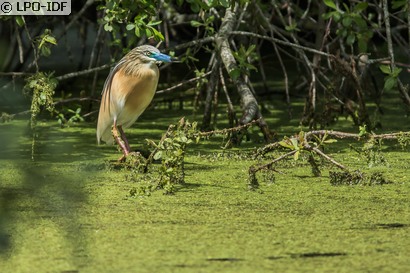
column 136, row 68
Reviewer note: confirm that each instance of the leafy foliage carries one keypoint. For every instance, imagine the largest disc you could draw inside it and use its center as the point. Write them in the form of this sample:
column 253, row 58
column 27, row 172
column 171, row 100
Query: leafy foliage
column 353, row 24
column 404, row 139
column 45, row 41
column 390, row 81
column 170, row 151
column 139, row 17
column 40, row 87
column 244, row 57
column 68, row 115
column 207, row 24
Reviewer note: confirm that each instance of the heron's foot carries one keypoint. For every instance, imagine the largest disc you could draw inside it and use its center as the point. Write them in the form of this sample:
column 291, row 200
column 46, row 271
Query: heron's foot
column 133, row 160
column 122, row 141
column 122, row 159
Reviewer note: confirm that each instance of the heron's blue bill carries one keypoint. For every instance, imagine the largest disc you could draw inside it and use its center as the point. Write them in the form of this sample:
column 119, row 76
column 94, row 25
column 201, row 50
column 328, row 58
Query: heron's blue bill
column 163, row 57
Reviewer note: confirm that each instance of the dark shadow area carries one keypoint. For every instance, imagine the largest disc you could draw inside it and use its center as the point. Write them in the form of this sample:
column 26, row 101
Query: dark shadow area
column 34, row 187
column 316, row 254
column 224, row 260
column 391, row 225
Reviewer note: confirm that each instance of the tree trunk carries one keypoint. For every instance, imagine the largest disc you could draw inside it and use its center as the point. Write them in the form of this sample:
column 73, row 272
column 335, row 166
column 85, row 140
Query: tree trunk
column 250, row 107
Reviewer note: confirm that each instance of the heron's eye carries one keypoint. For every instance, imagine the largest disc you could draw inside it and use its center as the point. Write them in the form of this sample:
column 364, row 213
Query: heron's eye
column 147, row 53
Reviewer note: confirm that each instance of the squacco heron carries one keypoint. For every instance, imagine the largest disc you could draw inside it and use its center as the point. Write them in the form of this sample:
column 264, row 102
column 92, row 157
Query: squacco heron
column 127, row 92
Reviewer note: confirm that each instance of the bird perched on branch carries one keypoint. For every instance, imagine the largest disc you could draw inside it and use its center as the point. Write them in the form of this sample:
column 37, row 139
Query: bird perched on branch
column 127, row 92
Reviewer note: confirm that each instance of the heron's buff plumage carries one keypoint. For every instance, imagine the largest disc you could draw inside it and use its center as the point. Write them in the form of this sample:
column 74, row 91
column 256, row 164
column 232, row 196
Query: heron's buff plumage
column 128, row 91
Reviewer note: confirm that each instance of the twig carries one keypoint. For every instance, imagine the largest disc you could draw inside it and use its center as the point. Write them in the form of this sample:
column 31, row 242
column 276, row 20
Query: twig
column 322, row 154
column 20, row 45
column 83, row 72
column 228, row 130
column 60, row 102
column 36, row 55
column 75, row 99
column 233, row 120
column 15, row 74
column 77, row 16
column 193, row 43
column 337, row 134
column 90, row 113
column 254, row 169
column 166, row 90
column 272, row 39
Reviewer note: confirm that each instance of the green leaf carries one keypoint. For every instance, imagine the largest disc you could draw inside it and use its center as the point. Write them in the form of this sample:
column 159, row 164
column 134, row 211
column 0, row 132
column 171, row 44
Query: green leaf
column 285, row 144
column 328, row 141
column 148, row 32
column 45, row 51
column 296, row 155
column 337, row 16
column 347, row 21
column 396, row 72
column 351, row 38
column 396, row 4
column 385, row 69
column 360, row 22
column 137, row 32
column 346, row 7
column 210, row 19
column 292, row 27
column 196, row 23
column 20, row 21
column 327, row 15
column 389, row 83
column 108, row 27
column 362, row 43
column 195, row 7
column 130, row 27
column 341, row 32
column 362, row 130
column 360, row 7
column 295, row 143
column 158, row 35
column 234, row 73
column 330, row 4
column 224, row 3
column 50, row 39
column 158, row 155
column 154, row 23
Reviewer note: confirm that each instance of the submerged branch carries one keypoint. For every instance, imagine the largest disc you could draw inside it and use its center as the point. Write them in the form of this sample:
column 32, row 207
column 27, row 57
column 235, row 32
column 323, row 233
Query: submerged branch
column 328, row 158
column 300, row 144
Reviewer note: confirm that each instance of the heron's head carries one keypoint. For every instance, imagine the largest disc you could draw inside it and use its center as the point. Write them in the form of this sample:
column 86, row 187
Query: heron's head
column 147, row 54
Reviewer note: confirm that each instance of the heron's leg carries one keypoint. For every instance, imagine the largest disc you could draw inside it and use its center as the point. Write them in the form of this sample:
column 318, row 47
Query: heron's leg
column 118, row 139
column 123, row 137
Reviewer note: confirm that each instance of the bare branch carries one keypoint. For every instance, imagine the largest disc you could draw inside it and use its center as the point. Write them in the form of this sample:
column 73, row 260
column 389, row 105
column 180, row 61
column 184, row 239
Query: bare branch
column 272, row 39
column 166, row 90
column 83, row 72
column 194, row 43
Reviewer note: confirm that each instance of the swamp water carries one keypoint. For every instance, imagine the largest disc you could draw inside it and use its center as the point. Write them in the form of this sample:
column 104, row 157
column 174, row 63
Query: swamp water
column 68, row 211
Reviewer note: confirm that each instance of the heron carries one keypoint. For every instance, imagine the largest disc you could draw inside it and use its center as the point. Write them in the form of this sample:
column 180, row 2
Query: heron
column 127, row 92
